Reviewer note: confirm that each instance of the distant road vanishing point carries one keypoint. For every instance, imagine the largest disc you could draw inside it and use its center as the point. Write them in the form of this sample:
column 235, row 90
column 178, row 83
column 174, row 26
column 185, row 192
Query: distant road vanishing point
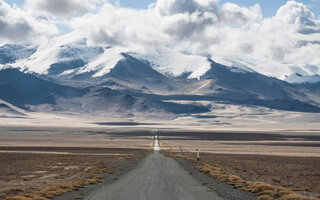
column 155, row 178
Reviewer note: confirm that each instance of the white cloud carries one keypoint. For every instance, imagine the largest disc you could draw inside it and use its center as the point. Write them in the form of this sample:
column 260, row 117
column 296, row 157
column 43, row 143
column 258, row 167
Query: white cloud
column 61, row 8
column 166, row 23
column 295, row 13
column 172, row 7
column 234, row 14
column 138, row 29
column 17, row 25
column 187, row 19
column 274, row 46
column 277, row 46
column 183, row 19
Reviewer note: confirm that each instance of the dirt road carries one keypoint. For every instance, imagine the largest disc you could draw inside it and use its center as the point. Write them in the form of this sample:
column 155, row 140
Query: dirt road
column 156, row 177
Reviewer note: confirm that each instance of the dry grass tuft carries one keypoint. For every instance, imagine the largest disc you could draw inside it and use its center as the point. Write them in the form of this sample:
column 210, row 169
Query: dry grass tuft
column 260, row 187
column 263, row 190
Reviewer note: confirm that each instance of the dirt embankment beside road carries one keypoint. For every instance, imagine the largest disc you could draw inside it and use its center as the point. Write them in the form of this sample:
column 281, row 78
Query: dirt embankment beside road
column 270, row 177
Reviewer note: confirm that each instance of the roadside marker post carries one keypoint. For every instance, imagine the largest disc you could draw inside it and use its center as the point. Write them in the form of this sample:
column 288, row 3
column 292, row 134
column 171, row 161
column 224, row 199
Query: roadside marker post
column 198, row 155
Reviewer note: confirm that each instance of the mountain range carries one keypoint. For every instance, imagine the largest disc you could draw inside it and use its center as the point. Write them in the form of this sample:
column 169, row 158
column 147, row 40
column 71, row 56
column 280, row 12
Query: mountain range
column 75, row 77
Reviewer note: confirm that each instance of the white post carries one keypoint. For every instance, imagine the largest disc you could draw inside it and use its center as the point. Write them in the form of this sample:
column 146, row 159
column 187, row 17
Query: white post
column 198, row 155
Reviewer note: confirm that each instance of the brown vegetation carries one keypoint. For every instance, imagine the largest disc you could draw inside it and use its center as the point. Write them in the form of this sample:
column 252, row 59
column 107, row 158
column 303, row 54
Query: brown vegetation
column 265, row 191
column 56, row 189
column 27, row 176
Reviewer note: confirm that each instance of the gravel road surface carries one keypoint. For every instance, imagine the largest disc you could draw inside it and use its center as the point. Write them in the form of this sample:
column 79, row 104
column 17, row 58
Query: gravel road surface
column 156, row 177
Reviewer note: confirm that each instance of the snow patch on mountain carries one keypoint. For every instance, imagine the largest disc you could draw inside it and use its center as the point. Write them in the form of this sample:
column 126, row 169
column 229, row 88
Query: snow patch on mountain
column 58, row 51
column 103, row 63
column 69, row 54
column 40, row 61
column 175, row 64
column 239, row 66
column 299, row 78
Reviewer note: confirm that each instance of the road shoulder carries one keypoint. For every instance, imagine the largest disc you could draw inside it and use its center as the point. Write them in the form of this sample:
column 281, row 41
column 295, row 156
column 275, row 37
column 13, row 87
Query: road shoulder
column 223, row 189
column 125, row 167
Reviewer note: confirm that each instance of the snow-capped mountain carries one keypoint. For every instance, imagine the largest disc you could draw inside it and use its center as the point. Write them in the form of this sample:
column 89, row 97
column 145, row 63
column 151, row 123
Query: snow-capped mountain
column 76, row 76
column 102, row 64
column 32, row 93
column 57, row 56
column 72, row 56
column 76, row 57
column 175, row 64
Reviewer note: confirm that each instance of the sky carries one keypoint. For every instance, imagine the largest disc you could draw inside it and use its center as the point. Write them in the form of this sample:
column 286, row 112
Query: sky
column 269, row 7
column 273, row 37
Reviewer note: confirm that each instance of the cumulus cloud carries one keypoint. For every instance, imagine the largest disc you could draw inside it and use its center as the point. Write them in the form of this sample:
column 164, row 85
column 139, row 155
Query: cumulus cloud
column 229, row 33
column 295, row 13
column 184, row 19
column 17, row 25
column 60, row 8
column 120, row 26
column 287, row 41
column 167, row 23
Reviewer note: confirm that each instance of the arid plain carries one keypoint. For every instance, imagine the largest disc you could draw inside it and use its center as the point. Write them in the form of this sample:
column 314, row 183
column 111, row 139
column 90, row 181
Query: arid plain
column 39, row 150
column 36, row 157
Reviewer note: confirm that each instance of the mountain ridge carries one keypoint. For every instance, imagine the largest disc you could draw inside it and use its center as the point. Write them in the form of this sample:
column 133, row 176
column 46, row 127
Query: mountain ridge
column 140, row 85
